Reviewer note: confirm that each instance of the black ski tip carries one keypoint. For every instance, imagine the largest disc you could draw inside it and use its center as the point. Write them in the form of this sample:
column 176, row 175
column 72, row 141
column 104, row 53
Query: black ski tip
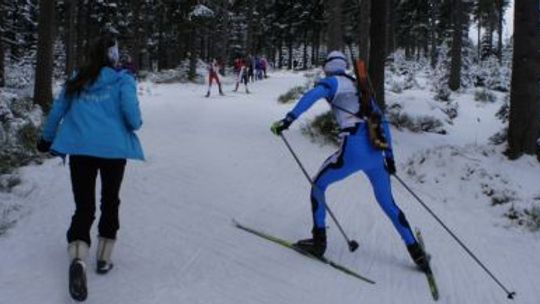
column 511, row 295
column 353, row 245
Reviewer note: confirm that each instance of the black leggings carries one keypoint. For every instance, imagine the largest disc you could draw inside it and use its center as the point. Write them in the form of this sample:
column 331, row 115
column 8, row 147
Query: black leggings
column 84, row 170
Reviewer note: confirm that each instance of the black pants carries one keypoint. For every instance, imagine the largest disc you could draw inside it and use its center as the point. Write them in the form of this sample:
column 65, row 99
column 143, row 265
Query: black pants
column 84, row 170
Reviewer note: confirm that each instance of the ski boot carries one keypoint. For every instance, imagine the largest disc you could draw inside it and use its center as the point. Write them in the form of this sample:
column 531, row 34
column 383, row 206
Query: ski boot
column 419, row 256
column 103, row 255
column 78, row 250
column 207, row 94
column 221, row 92
column 316, row 245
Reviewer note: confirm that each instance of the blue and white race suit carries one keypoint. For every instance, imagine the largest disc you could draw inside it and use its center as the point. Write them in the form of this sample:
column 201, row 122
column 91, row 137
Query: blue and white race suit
column 355, row 153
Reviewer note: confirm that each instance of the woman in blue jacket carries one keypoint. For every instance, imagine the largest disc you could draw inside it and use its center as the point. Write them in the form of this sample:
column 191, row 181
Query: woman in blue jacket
column 93, row 121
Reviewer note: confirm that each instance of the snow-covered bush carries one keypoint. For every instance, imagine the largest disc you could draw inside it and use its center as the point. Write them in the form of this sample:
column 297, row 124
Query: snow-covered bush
column 394, row 86
column 19, row 123
column 449, row 170
column 8, row 216
column 201, row 11
column 419, row 123
column 296, row 92
column 401, row 73
column 20, row 75
column 440, row 75
column 500, row 137
column 484, row 95
column 323, row 128
column 292, row 95
column 504, row 112
column 526, row 217
column 494, row 75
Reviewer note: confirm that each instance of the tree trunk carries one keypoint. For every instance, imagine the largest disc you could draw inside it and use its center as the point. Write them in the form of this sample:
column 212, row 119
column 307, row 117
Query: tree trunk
column 224, row 50
column 249, row 21
column 317, row 49
column 71, row 37
column 434, row 12
column 2, row 57
column 280, row 53
column 335, row 25
column 364, row 30
column 479, row 39
column 390, row 26
column 2, row 34
column 524, row 100
column 290, row 50
column 44, row 65
column 457, row 44
column 82, row 31
column 500, row 29
column 377, row 55
column 313, row 46
column 305, row 56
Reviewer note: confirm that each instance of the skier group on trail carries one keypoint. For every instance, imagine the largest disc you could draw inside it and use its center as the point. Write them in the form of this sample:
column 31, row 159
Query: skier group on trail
column 95, row 117
column 246, row 70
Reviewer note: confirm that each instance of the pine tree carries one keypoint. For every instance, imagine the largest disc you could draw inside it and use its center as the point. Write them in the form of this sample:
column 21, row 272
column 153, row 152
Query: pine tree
column 377, row 54
column 3, row 9
column 524, row 123
column 44, row 67
column 335, row 25
column 457, row 44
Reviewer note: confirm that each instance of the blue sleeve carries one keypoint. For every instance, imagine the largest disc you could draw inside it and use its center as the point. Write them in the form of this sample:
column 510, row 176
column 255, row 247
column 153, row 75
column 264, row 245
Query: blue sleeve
column 386, row 129
column 326, row 88
column 129, row 103
column 58, row 110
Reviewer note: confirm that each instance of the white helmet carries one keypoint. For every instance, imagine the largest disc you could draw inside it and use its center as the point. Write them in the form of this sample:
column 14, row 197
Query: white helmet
column 335, row 62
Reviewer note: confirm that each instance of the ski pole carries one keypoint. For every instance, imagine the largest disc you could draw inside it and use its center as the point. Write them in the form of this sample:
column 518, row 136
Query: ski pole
column 510, row 294
column 353, row 245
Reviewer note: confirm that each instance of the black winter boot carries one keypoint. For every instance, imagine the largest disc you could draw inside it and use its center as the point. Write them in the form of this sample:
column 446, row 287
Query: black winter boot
column 77, row 280
column 316, row 245
column 418, row 256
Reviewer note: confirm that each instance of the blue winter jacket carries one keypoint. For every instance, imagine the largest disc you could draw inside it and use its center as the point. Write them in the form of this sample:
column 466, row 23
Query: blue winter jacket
column 100, row 121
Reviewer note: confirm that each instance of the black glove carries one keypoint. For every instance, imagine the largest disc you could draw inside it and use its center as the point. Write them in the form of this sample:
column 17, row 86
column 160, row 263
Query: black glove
column 43, row 145
column 390, row 165
column 281, row 125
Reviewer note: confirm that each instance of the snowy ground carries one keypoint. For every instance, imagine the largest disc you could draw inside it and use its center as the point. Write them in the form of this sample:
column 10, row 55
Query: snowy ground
column 209, row 160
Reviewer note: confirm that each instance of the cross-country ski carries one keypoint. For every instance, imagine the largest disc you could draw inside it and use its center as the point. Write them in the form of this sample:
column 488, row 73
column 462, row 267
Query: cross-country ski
column 292, row 246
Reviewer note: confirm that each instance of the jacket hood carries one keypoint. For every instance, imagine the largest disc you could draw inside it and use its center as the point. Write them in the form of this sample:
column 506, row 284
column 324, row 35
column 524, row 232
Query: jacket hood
column 107, row 76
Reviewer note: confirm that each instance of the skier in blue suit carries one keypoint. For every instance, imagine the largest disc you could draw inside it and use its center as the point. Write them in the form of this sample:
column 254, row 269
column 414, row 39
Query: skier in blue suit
column 355, row 153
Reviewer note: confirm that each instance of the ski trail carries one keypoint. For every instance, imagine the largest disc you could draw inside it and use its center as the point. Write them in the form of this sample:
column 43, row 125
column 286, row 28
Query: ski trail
column 212, row 159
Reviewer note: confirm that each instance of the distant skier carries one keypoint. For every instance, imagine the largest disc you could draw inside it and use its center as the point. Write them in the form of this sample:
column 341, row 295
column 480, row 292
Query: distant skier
column 213, row 69
column 264, row 66
column 250, row 68
column 242, row 75
column 258, row 68
column 356, row 153
column 93, row 121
